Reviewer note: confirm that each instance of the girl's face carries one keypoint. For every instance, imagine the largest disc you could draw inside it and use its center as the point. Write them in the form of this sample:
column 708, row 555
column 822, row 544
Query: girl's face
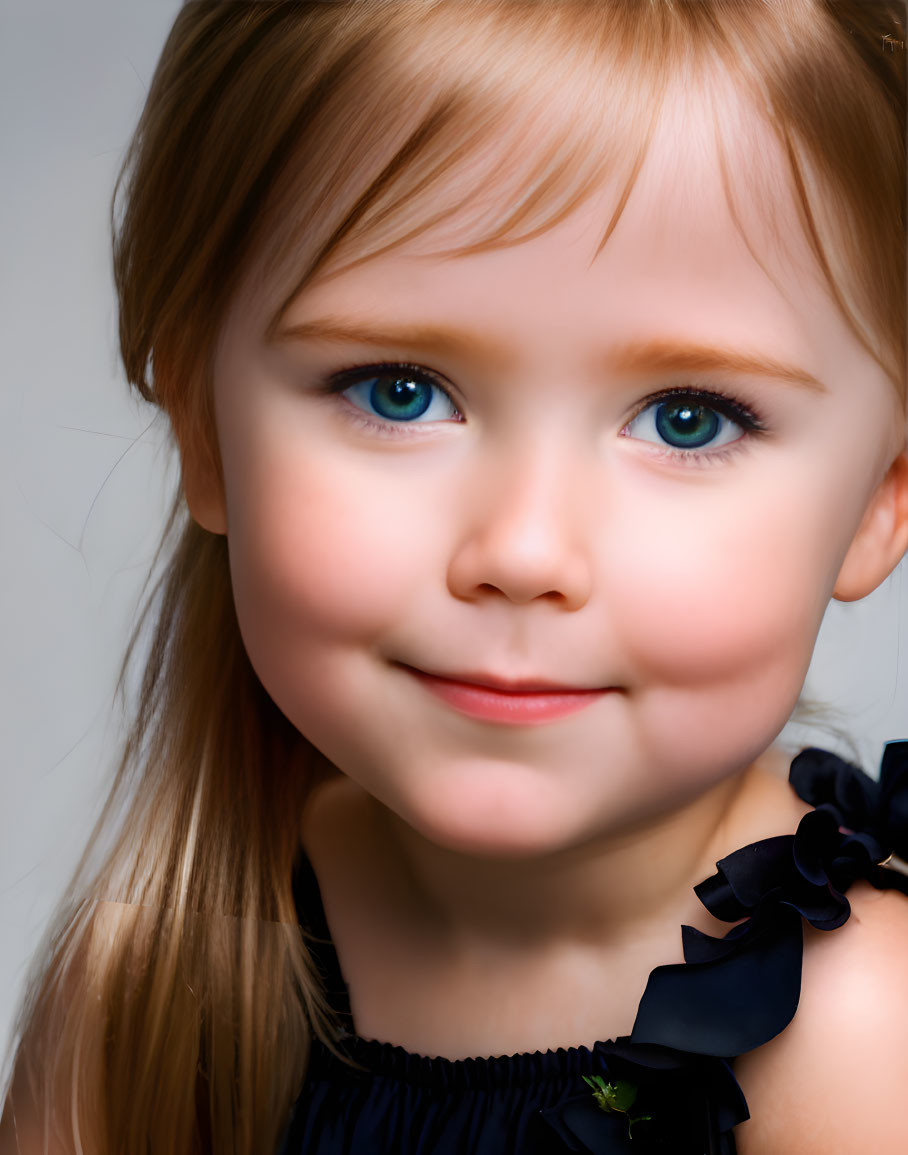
column 630, row 477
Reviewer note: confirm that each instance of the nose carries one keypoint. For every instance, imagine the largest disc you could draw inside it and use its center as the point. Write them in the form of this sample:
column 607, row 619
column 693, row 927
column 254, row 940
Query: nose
column 525, row 536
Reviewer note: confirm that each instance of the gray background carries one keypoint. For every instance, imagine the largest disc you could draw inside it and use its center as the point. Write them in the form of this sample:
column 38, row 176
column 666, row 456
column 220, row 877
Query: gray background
column 85, row 470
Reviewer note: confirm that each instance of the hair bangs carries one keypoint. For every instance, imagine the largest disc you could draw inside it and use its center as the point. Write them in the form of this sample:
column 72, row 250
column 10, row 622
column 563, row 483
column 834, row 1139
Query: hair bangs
column 507, row 118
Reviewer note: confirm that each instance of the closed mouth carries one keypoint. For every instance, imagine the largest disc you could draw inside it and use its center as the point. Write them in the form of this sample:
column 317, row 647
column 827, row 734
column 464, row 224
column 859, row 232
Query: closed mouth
column 505, row 685
column 518, row 702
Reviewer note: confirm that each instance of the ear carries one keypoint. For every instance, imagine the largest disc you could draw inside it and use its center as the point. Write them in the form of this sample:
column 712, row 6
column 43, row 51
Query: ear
column 188, row 403
column 203, row 489
column 882, row 537
column 202, row 477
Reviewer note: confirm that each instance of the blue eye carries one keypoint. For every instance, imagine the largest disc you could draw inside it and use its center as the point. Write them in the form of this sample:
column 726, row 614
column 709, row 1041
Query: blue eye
column 400, row 394
column 690, row 421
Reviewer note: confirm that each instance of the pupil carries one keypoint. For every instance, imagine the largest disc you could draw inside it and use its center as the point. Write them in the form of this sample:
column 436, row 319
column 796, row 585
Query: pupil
column 400, row 398
column 684, row 425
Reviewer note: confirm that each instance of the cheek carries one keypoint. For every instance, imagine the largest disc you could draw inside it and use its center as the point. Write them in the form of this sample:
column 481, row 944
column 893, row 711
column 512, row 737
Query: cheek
column 719, row 596
column 313, row 559
column 719, row 616
column 305, row 549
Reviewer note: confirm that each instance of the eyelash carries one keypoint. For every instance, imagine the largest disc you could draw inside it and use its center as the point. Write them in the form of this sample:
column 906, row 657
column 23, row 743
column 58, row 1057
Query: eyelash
column 730, row 407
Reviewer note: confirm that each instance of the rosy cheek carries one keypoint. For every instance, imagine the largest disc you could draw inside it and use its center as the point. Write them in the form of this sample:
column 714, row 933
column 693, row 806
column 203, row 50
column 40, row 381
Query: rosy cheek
column 317, row 554
column 716, row 598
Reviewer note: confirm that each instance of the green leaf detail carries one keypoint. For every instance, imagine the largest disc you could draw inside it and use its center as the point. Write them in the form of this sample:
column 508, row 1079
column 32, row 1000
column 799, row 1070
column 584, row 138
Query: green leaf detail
column 618, row 1096
column 632, row 1119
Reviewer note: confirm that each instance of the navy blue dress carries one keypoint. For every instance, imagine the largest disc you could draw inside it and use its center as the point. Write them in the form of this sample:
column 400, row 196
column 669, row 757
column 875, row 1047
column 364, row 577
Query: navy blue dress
column 667, row 1087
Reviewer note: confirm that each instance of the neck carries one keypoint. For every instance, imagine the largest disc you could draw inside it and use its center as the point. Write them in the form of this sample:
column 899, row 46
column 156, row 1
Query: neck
column 602, row 891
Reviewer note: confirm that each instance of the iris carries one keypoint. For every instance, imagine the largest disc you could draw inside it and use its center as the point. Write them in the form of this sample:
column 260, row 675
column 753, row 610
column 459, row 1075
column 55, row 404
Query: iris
column 399, row 398
column 685, row 425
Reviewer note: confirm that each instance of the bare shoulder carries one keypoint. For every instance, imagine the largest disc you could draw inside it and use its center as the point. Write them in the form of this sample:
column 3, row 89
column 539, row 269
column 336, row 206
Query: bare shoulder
column 835, row 1081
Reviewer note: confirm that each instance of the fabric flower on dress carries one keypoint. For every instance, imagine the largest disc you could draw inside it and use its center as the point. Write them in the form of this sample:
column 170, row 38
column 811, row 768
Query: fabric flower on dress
column 661, row 1101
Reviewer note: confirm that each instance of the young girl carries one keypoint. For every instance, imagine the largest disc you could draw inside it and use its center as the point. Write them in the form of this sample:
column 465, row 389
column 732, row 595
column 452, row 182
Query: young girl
column 538, row 373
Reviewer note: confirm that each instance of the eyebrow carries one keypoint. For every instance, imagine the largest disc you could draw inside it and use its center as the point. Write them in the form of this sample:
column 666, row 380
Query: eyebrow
column 658, row 355
column 696, row 358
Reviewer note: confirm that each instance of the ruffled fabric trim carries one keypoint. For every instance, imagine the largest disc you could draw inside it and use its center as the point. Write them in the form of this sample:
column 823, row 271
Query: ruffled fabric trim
column 876, row 807
column 474, row 1074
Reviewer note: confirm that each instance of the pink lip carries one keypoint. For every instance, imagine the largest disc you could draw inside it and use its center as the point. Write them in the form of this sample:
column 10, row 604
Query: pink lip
column 494, row 700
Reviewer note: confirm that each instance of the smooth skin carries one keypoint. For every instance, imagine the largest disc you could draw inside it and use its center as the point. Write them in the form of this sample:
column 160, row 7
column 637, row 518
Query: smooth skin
column 496, row 887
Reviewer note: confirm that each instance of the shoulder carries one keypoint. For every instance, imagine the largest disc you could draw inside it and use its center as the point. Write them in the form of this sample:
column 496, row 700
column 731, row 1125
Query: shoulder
column 835, row 1081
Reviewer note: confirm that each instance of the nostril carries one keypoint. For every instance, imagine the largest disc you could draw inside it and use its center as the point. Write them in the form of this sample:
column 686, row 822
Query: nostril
column 548, row 595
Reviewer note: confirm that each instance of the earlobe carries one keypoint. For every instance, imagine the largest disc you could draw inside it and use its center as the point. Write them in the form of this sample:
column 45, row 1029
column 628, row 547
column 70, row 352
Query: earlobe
column 882, row 537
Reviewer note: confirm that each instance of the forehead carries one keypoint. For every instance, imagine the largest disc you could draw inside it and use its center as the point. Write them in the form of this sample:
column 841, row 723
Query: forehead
column 712, row 198
column 715, row 192
column 708, row 155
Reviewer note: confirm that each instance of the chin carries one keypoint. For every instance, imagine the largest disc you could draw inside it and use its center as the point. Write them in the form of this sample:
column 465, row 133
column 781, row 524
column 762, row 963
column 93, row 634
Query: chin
column 491, row 842
column 493, row 820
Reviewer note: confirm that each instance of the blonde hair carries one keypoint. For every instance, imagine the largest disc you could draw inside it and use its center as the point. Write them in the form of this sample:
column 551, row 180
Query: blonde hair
column 175, row 1003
